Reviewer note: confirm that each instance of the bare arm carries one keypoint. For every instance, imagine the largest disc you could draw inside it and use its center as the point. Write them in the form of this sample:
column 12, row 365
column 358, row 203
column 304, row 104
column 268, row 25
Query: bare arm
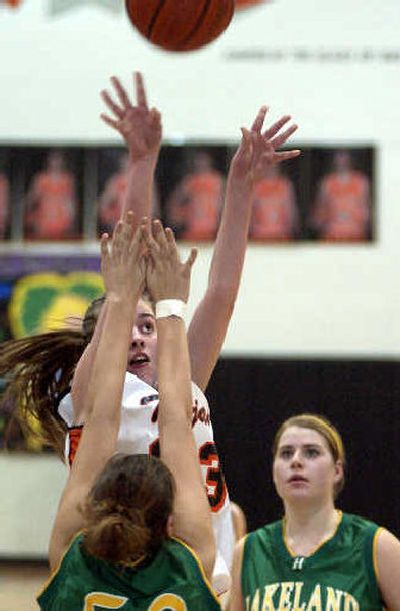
column 210, row 322
column 141, row 130
column 388, row 568
column 123, row 276
column 236, row 602
column 169, row 279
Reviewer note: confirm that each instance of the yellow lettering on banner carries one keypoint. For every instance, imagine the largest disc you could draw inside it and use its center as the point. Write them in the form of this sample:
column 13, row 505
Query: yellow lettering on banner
column 168, row 602
column 297, row 593
column 101, row 600
column 315, row 600
column 350, row 603
column 333, row 599
column 268, row 603
column 284, row 601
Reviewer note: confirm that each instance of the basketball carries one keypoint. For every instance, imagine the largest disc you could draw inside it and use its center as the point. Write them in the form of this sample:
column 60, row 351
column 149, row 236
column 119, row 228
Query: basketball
column 180, row 25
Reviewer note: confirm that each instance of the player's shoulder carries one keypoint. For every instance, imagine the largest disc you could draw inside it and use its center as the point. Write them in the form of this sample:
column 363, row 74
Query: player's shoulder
column 265, row 535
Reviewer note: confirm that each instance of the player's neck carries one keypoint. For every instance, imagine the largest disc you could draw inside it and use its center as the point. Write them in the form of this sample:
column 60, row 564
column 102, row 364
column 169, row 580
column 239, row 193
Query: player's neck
column 345, row 175
column 308, row 527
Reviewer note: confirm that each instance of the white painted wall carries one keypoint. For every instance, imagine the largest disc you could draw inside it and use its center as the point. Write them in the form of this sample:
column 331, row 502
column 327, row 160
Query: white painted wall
column 298, row 299
column 302, row 299
column 30, row 487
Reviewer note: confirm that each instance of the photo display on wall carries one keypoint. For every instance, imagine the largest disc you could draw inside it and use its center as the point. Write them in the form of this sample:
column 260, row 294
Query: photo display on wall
column 50, row 194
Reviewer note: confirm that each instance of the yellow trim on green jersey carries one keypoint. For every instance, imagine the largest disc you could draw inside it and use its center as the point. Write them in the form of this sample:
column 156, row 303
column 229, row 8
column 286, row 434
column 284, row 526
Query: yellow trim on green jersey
column 320, row 544
column 200, row 565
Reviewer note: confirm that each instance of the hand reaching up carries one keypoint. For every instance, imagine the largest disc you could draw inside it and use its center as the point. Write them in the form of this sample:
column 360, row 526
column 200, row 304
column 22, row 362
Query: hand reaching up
column 258, row 149
column 138, row 125
column 166, row 276
column 123, row 260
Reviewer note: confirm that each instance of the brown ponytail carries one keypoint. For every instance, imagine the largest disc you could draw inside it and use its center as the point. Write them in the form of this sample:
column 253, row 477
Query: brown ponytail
column 127, row 510
column 39, row 370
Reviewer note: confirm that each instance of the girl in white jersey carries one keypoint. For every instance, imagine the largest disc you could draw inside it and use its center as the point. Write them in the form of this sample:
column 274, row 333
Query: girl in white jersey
column 139, row 420
column 141, row 130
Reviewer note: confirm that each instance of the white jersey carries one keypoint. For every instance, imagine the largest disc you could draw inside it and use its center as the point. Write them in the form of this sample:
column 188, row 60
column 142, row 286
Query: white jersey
column 138, row 434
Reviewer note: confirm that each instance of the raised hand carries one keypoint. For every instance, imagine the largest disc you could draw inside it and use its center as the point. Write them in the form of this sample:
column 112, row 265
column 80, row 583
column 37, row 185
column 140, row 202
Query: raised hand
column 122, row 259
column 258, row 149
column 166, row 276
column 138, row 125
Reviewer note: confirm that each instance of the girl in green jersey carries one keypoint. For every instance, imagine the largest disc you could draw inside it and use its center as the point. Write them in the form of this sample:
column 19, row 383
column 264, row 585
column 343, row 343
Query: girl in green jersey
column 316, row 558
column 112, row 544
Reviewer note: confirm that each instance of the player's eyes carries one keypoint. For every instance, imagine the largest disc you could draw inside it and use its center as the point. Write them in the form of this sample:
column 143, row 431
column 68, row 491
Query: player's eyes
column 311, row 452
column 147, row 328
column 286, row 453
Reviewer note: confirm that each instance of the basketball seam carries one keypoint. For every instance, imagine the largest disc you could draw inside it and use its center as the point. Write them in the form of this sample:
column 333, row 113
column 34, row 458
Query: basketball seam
column 198, row 23
column 154, row 19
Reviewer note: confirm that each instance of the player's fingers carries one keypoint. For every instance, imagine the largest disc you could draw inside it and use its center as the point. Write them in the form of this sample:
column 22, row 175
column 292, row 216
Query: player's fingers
column 129, row 217
column 146, row 229
column 246, row 136
column 169, row 236
column 274, row 129
column 111, row 122
column 140, row 90
column 105, row 96
column 137, row 245
column 285, row 155
column 148, row 237
column 259, row 120
column 191, row 258
column 117, row 240
column 281, row 139
column 159, row 235
column 155, row 117
column 118, row 229
column 121, row 92
column 104, row 245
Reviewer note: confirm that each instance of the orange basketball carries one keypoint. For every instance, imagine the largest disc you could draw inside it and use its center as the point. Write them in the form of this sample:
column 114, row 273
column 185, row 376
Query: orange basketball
column 180, row 25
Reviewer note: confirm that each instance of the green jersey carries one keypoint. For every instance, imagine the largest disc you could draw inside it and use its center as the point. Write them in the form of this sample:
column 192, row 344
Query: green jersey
column 338, row 576
column 173, row 580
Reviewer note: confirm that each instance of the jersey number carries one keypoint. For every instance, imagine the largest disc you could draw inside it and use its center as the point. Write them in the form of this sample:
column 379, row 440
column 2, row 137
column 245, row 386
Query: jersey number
column 168, row 602
column 101, row 600
column 215, row 481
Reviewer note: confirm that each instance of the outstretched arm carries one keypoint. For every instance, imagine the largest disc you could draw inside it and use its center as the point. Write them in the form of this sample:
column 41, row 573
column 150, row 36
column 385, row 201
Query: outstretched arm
column 236, row 602
column 123, row 275
column 140, row 127
column 209, row 325
column 168, row 278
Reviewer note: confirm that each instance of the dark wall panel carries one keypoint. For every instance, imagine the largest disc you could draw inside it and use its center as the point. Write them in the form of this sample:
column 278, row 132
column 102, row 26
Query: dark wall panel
column 249, row 398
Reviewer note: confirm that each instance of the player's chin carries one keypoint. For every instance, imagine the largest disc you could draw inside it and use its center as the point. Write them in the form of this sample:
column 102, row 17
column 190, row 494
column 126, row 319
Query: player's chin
column 144, row 371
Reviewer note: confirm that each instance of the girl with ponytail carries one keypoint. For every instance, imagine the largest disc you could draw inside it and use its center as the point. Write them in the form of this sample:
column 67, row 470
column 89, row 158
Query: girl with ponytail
column 134, row 532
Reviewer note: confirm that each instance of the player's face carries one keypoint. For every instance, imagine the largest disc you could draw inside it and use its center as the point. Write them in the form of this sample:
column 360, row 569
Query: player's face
column 55, row 162
column 342, row 161
column 304, row 470
column 143, row 349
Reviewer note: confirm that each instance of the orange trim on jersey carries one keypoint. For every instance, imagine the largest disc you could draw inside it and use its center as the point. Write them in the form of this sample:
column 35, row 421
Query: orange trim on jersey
column 74, row 437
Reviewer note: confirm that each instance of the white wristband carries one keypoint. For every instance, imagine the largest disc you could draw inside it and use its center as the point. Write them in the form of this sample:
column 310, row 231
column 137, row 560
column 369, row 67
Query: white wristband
column 170, row 307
